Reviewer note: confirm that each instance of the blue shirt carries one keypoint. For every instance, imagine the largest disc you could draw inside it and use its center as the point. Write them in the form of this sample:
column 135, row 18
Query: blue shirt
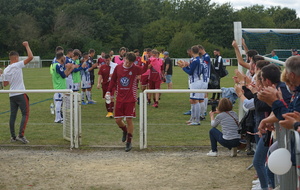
column 194, row 70
column 60, row 69
column 205, row 60
column 280, row 107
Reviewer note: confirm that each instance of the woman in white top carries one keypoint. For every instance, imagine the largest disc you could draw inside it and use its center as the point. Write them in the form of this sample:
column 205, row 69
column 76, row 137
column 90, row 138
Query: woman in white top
column 228, row 119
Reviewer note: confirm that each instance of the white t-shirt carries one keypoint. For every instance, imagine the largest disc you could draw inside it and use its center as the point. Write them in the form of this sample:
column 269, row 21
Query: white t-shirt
column 112, row 67
column 14, row 75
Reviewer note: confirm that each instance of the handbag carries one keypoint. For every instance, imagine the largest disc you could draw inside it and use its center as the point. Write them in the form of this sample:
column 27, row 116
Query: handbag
column 243, row 137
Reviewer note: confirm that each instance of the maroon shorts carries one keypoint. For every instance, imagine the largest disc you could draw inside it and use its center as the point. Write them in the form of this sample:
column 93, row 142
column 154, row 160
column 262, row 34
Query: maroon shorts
column 154, row 84
column 144, row 80
column 104, row 90
column 126, row 109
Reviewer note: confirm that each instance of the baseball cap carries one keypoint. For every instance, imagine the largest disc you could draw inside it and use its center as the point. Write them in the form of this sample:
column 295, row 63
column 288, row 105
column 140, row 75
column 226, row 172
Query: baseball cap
column 166, row 53
column 294, row 50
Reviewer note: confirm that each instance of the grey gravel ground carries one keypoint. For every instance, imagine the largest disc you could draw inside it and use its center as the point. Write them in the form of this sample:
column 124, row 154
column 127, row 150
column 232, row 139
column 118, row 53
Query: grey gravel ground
column 31, row 168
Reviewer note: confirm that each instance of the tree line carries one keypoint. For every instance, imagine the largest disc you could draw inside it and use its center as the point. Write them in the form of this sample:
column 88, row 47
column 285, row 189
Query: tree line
column 173, row 25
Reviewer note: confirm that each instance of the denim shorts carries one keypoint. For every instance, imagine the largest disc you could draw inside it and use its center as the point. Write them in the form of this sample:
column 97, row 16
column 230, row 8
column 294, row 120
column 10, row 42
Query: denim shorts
column 168, row 78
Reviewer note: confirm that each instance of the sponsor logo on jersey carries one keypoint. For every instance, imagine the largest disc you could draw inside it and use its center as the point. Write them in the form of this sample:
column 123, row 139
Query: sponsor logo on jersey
column 124, row 81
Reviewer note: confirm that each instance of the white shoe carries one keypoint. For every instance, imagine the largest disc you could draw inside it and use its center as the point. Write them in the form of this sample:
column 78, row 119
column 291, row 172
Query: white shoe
column 212, row 154
column 256, row 187
column 233, row 152
column 254, row 182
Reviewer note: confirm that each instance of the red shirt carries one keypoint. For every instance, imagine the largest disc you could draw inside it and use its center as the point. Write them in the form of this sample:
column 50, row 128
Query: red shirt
column 104, row 71
column 155, row 74
column 138, row 61
column 101, row 61
column 125, row 81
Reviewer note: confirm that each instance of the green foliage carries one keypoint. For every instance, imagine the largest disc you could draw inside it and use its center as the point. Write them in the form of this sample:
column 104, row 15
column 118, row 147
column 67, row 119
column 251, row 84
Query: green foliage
column 135, row 24
column 181, row 42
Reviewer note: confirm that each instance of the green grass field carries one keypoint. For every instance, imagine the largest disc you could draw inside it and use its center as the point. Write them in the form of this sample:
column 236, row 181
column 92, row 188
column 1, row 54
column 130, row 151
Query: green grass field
column 166, row 124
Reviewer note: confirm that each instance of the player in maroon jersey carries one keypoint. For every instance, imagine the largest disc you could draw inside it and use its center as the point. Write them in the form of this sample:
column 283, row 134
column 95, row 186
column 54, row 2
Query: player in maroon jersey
column 103, row 80
column 124, row 81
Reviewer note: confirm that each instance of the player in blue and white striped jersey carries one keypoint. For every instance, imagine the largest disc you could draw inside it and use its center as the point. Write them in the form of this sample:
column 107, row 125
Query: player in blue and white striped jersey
column 205, row 61
column 195, row 71
column 69, row 60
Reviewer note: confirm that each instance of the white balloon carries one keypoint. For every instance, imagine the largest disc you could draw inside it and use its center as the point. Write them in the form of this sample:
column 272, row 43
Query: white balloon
column 279, row 161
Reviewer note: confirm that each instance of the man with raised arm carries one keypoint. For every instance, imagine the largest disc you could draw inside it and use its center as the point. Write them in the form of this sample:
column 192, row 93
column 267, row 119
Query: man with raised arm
column 13, row 76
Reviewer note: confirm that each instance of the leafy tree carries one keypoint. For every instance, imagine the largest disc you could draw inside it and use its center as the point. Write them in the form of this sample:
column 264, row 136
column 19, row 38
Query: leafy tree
column 255, row 17
column 217, row 28
column 181, row 42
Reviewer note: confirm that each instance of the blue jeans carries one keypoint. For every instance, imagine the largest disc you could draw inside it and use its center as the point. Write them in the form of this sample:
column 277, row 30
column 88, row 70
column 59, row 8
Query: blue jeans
column 216, row 136
column 259, row 161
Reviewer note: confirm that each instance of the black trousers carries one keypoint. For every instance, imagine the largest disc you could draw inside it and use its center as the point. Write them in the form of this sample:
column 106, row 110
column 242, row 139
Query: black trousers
column 20, row 101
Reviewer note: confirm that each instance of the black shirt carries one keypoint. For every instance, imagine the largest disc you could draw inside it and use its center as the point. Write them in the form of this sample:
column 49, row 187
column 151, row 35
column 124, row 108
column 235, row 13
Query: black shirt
column 169, row 62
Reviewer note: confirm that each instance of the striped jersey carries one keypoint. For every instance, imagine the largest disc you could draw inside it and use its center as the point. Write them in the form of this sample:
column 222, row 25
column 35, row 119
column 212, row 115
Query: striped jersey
column 205, row 61
column 194, row 70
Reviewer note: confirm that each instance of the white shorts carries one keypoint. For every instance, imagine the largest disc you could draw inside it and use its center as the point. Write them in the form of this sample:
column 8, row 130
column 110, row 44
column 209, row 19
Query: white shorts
column 58, row 97
column 76, row 87
column 69, row 82
column 85, row 81
column 197, row 86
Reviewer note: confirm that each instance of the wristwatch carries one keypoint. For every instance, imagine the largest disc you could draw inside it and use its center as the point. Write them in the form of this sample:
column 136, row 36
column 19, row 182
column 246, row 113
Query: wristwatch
column 296, row 125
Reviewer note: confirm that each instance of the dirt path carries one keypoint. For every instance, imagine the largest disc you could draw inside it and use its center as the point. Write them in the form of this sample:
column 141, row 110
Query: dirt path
column 116, row 169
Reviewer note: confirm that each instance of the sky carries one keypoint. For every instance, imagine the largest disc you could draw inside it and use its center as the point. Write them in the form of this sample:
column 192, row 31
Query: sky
column 238, row 4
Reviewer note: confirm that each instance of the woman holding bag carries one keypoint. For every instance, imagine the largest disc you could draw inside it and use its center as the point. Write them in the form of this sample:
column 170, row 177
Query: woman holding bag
column 229, row 137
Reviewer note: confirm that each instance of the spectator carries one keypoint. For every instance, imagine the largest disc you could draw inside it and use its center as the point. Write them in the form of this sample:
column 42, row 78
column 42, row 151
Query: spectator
column 168, row 68
column 295, row 52
column 270, row 76
column 229, row 137
column 13, row 76
column 217, row 65
column 1, row 79
column 274, row 56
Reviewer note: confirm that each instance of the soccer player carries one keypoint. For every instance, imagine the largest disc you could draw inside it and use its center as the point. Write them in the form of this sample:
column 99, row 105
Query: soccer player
column 205, row 61
column 76, row 72
column 145, row 76
column 105, row 73
column 119, row 59
column 76, row 76
column 92, row 66
column 101, row 60
column 124, row 81
column 155, row 75
column 69, row 60
column 59, row 73
column 86, row 80
column 13, row 76
column 194, row 70
column 57, row 50
column 138, row 61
